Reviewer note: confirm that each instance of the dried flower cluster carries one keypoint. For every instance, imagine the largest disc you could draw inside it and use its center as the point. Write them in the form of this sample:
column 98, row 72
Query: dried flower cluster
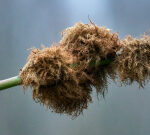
column 54, row 83
column 134, row 61
column 62, row 76
column 91, row 44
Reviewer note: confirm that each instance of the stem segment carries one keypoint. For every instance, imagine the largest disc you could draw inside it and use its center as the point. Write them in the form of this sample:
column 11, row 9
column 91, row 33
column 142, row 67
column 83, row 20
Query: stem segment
column 14, row 81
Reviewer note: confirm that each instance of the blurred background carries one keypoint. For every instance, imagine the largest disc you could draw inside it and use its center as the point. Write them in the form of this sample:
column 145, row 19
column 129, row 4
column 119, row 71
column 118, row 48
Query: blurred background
column 29, row 23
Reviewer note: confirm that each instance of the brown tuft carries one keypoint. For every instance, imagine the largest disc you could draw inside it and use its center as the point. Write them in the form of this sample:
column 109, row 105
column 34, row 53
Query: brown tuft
column 62, row 76
column 134, row 61
column 91, row 44
column 64, row 97
column 53, row 82
column 47, row 66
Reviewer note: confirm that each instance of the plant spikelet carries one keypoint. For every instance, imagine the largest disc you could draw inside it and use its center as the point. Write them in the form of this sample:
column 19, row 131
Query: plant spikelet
column 134, row 61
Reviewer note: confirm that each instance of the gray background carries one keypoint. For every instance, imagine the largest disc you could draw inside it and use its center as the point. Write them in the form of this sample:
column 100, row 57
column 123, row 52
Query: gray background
column 28, row 23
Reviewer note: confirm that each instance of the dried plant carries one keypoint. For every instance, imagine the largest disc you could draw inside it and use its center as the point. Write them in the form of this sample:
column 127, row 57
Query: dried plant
column 90, row 44
column 53, row 82
column 62, row 76
column 60, row 85
column 134, row 61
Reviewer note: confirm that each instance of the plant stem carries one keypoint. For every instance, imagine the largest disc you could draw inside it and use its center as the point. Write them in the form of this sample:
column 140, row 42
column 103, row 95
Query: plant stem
column 14, row 81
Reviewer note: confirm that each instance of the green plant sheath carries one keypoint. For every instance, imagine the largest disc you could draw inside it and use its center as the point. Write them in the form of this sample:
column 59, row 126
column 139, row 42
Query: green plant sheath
column 14, row 81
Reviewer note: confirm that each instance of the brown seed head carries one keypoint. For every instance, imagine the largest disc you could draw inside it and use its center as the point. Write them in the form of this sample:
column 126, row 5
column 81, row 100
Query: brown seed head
column 134, row 61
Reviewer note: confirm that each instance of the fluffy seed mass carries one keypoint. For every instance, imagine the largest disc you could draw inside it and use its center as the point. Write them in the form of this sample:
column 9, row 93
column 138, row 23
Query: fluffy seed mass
column 91, row 44
column 134, row 61
column 54, row 82
column 63, row 75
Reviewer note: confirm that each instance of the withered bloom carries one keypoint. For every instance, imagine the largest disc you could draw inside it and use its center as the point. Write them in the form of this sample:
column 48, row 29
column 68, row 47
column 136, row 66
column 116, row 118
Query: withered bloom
column 54, row 82
column 62, row 76
column 134, row 61
column 91, row 44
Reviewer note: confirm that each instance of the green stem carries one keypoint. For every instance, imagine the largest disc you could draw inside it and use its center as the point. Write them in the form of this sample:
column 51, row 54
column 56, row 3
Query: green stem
column 14, row 81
